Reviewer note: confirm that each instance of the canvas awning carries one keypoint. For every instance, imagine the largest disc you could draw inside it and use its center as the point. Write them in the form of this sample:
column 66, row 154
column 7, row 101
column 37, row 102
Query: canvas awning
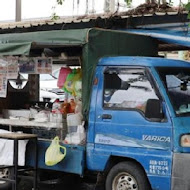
column 21, row 43
column 95, row 43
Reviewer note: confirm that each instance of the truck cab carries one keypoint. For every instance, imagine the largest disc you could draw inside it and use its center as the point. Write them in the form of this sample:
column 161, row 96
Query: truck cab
column 138, row 132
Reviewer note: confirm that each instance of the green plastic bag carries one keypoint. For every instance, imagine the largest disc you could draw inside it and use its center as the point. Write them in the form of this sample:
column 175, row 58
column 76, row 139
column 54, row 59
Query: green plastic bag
column 53, row 154
column 69, row 85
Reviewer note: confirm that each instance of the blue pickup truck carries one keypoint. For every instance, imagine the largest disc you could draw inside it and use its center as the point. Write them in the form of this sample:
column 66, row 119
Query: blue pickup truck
column 138, row 131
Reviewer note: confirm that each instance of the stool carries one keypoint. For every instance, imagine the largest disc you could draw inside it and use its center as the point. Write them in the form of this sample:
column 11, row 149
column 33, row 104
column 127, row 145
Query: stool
column 16, row 137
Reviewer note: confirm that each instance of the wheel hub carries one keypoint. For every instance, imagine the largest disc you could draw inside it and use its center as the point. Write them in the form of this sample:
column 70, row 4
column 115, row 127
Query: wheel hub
column 124, row 181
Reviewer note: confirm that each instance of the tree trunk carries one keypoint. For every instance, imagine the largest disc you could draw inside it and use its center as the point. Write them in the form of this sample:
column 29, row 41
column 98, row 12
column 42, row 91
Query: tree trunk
column 78, row 2
column 106, row 6
column 150, row 1
column 93, row 7
column 112, row 6
column 73, row 7
column 18, row 10
column 86, row 6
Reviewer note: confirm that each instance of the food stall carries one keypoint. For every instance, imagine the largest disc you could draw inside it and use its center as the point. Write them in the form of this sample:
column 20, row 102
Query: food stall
column 77, row 52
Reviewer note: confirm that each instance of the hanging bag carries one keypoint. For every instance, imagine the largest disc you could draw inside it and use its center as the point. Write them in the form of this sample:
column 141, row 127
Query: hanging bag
column 74, row 76
column 53, row 154
column 64, row 71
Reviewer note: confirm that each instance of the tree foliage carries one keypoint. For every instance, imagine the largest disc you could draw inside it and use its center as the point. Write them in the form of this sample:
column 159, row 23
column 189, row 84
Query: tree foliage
column 187, row 7
column 128, row 2
column 60, row 2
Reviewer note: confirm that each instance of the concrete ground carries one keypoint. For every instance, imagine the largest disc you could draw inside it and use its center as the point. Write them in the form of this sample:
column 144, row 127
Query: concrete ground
column 66, row 183
column 73, row 185
column 82, row 186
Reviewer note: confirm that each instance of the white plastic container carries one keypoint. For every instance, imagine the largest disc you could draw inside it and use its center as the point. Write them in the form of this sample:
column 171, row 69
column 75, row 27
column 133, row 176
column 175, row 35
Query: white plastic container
column 74, row 119
column 77, row 137
column 41, row 117
column 7, row 113
column 56, row 118
column 56, row 106
column 78, row 108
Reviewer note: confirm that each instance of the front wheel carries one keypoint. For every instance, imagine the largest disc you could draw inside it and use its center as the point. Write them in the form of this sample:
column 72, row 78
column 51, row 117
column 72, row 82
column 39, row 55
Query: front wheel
column 127, row 176
column 5, row 185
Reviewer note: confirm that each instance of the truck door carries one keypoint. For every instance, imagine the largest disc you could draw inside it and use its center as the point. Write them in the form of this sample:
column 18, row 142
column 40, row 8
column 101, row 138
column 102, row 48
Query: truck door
column 124, row 125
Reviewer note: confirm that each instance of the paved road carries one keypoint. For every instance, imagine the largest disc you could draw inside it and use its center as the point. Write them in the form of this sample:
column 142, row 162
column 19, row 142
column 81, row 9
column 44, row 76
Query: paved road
column 75, row 182
column 73, row 186
column 84, row 186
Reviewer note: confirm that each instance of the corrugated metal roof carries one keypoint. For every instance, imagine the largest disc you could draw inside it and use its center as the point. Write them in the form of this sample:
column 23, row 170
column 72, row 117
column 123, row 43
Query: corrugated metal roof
column 81, row 19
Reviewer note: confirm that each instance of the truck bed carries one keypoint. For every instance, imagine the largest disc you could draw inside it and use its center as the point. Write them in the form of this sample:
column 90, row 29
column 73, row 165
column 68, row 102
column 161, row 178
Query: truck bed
column 72, row 163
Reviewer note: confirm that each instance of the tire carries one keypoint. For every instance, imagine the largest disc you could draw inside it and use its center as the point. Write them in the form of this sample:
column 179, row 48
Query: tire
column 25, row 184
column 5, row 185
column 127, row 175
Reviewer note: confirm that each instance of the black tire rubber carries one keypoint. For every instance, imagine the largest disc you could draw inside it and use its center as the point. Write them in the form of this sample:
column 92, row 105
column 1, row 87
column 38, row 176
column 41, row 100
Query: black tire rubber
column 6, row 185
column 25, row 184
column 132, row 169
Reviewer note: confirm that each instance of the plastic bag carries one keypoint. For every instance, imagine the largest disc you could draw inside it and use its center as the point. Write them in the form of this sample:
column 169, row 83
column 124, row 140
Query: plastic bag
column 78, row 137
column 75, row 75
column 62, row 76
column 53, row 154
column 42, row 116
column 78, row 89
column 68, row 85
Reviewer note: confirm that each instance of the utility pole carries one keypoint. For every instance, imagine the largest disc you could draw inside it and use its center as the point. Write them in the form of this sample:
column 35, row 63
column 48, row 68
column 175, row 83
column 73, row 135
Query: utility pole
column 18, row 11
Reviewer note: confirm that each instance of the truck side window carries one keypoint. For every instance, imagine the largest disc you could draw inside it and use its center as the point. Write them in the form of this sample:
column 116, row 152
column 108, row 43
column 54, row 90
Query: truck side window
column 177, row 84
column 127, row 89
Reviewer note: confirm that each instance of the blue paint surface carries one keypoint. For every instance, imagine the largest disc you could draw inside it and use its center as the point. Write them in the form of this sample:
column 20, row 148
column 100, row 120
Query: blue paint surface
column 142, row 61
column 73, row 162
column 128, row 134
column 180, row 37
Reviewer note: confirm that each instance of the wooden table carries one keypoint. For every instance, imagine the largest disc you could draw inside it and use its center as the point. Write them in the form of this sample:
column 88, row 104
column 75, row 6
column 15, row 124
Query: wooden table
column 16, row 137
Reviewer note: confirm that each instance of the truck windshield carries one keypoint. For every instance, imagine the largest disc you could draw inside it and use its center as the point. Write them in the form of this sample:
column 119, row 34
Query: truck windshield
column 177, row 84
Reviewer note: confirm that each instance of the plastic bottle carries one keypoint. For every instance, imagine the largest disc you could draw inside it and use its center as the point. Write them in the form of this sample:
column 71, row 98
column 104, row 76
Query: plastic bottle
column 78, row 108
column 73, row 105
column 56, row 116
column 65, row 108
column 56, row 106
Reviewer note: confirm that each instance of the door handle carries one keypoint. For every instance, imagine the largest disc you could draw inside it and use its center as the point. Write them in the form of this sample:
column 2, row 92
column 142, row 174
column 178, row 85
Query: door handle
column 106, row 116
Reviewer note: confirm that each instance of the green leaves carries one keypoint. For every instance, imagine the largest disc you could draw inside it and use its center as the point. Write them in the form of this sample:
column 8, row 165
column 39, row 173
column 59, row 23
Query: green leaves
column 170, row 2
column 128, row 2
column 60, row 2
column 187, row 7
column 54, row 17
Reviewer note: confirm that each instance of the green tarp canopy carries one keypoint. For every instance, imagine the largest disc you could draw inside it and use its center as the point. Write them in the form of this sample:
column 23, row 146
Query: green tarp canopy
column 95, row 43
column 21, row 43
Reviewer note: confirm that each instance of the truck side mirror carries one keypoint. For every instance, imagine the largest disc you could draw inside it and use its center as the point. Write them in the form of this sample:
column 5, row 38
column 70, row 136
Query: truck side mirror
column 154, row 110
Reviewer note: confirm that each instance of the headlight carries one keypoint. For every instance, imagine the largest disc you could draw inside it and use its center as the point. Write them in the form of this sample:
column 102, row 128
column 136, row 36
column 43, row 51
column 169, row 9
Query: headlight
column 185, row 141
